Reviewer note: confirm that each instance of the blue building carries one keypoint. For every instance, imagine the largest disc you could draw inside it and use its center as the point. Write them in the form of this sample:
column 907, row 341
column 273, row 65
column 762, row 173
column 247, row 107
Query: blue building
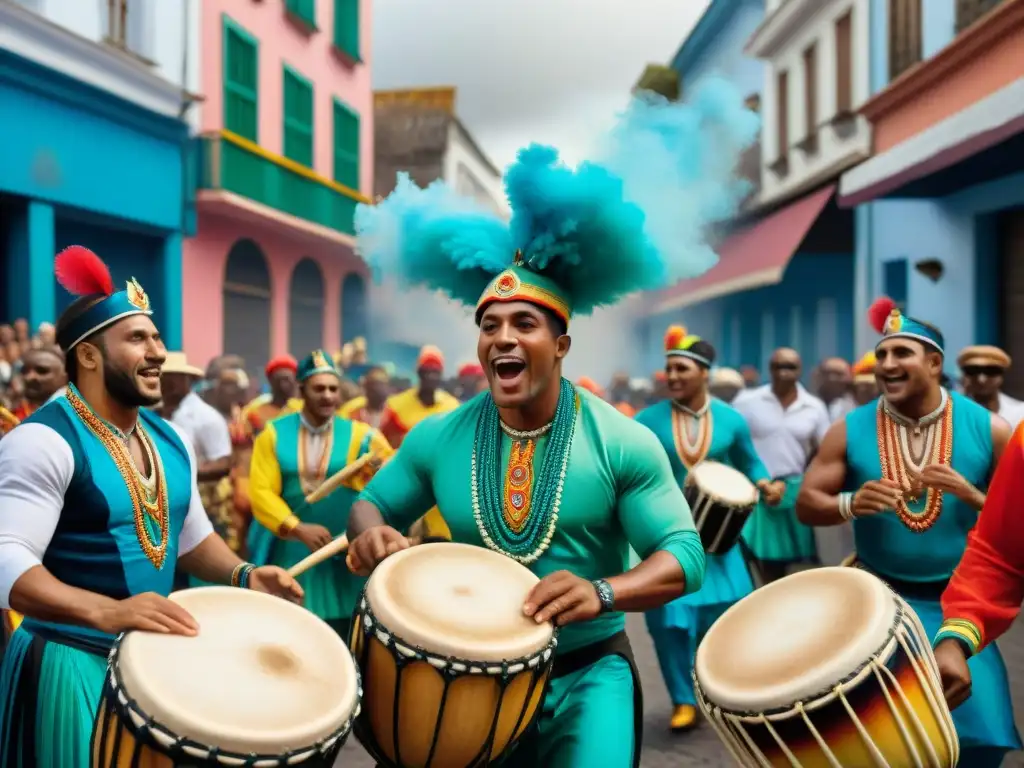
column 940, row 206
column 785, row 275
column 93, row 151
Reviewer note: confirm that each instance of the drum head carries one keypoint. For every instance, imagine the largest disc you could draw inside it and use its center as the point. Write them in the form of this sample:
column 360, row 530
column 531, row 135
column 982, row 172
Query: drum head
column 262, row 675
column 457, row 600
column 724, row 483
column 794, row 639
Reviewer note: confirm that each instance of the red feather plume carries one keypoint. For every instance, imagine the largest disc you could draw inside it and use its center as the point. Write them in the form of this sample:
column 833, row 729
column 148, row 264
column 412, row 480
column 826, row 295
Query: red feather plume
column 879, row 312
column 673, row 336
column 82, row 273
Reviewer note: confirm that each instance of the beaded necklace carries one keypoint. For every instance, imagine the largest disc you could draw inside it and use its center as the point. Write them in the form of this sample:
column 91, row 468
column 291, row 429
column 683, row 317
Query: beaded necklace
column 692, row 452
column 515, row 515
column 149, row 505
column 897, row 462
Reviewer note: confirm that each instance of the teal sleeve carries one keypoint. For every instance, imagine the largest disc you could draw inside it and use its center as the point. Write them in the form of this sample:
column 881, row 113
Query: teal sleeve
column 743, row 454
column 652, row 510
column 402, row 490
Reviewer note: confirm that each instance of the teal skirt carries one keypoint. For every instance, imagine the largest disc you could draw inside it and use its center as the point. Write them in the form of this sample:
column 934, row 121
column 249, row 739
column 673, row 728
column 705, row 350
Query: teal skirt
column 49, row 695
column 774, row 534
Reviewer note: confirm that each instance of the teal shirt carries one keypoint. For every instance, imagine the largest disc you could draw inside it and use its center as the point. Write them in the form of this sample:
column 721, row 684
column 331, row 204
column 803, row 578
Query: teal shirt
column 883, row 542
column 619, row 492
column 730, row 439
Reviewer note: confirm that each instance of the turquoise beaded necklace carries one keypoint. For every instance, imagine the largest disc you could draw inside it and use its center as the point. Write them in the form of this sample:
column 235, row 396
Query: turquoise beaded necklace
column 488, row 477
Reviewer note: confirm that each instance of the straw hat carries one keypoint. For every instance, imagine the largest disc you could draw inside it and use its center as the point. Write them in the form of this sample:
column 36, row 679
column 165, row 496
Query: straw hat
column 176, row 362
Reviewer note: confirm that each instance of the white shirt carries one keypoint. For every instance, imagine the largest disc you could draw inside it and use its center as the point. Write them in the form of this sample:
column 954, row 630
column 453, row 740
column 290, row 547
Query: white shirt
column 1011, row 410
column 204, row 428
column 36, row 466
column 839, row 407
column 784, row 439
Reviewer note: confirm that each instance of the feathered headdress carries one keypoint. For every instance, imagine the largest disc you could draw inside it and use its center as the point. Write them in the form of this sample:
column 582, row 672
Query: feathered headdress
column 82, row 273
column 679, row 343
column 887, row 320
column 582, row 237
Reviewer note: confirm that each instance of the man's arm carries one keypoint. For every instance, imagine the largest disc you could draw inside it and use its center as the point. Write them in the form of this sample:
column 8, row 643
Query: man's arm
column 818, row 502
column 985, row 594
column 268, row 508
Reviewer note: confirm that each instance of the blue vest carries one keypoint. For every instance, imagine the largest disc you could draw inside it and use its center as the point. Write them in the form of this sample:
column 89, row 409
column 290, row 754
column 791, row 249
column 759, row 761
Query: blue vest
column 883, row 542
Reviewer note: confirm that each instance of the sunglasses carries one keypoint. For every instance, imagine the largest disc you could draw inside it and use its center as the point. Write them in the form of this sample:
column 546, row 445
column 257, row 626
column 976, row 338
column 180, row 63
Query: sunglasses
column 991, row 371
column 784, row 367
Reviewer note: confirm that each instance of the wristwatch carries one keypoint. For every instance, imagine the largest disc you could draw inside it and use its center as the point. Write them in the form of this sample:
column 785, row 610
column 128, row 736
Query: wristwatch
column 604, row 594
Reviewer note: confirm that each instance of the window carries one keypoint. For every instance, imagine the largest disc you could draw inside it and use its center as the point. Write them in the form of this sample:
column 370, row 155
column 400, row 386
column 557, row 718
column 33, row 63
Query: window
column 844, row 64
column 346, row 146
column 298, row 117
column 303, row 10
column 241, row 81
column 811, row 91
column 782, row 118
column 969, row 11
column 904, row 36
column 125, row 24
column 895, row 279
column 346, row 27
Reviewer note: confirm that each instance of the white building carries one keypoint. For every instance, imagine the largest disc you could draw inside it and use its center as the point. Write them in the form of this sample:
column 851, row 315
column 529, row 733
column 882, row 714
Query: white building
column 817, row 77
column 470, row 172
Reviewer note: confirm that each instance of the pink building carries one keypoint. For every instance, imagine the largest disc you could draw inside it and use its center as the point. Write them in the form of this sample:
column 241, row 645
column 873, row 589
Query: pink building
column 287, row 129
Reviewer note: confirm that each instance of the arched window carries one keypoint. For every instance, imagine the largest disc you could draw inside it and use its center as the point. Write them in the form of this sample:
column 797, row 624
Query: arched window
column 306, row 309
column 354, row 309
column 247, row 306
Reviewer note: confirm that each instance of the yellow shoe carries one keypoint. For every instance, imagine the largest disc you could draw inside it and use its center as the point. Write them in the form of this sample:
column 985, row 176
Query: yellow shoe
column 684, row 717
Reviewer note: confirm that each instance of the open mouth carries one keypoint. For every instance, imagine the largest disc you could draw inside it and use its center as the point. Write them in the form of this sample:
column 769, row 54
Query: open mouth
column 508, row 369
column 150, row 374
column 895, row 380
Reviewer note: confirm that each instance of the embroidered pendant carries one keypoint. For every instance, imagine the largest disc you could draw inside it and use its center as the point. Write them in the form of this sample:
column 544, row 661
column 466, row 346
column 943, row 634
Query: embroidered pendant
column 891, row 453
column 691, row 452
column 519, row 484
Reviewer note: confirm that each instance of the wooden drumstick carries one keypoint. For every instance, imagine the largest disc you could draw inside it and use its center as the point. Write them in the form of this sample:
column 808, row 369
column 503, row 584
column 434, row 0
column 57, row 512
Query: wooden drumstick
column 325, row 552
column 342, row 476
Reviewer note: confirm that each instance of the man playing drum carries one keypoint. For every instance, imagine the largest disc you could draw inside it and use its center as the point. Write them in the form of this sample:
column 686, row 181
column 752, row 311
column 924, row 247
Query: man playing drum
column 907, row 471
column 98, row 504
column 292, row 457
column 535, row 468
column 693, row 427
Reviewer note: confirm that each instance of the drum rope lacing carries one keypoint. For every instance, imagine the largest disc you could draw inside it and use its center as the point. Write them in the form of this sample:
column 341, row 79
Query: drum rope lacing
column 487, row 481
column 147, row 730
column 451, row 668
column 728, row 724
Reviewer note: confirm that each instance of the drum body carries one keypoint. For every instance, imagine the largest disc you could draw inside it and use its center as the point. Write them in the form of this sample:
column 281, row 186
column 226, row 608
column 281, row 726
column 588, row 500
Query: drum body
column 825, row 668
column 265, row 683
column 721, row 499
column 453, row 672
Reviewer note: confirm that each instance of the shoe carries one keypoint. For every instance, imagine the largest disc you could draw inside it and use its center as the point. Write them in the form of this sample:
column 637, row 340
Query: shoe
column 684, row 717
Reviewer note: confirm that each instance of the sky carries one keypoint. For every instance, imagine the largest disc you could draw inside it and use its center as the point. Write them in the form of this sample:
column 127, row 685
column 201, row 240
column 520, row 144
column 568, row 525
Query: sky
column 551, row 71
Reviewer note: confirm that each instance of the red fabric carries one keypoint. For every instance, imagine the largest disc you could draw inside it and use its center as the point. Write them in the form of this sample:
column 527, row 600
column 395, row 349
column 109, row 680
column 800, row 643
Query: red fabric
column 283, row 361
column 471, row 369
column 392, row 428
column 987, row 587
column 431, row 359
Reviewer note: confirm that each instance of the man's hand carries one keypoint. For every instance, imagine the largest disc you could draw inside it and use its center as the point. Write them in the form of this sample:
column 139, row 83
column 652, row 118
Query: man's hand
column 148, row 612
column 562, row 598
column 276, row 581
column 954, row 672
column 946, row 479
column 312, row 535
column 876, row 496
column 772, row 491
column 372, row 546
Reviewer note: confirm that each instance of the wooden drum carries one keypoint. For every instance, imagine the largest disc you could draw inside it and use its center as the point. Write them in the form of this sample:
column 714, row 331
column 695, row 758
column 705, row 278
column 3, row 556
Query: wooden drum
column 826, row 668
column 721, row 499
column 454, row 673
column 265, row 683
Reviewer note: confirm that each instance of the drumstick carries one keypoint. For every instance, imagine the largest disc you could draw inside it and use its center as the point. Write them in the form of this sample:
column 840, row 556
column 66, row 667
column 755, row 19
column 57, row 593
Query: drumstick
column 342, row 476
column 336, row 547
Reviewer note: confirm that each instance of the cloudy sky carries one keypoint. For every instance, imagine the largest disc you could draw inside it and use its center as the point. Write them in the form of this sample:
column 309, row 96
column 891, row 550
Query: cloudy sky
column 553, row 71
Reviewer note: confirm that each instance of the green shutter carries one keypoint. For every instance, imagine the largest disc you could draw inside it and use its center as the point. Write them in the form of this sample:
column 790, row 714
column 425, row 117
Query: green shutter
column 346, row 27
column 304, row 10
column 241, row 81
column 298, row 117
column 346, row 146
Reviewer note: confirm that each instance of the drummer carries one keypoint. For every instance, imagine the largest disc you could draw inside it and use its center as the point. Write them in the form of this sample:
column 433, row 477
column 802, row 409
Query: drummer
column 562, row 482
column 693, row 427
column 292, row 457
column 913, row 498
column 80, row 579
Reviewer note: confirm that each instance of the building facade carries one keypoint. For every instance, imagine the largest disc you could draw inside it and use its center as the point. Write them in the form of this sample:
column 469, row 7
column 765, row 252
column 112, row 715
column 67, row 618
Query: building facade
column 285, row 155
column 94, row 147
column 940, row 206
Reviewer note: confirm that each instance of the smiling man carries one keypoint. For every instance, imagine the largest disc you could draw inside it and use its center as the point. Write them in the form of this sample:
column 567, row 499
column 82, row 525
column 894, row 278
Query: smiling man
column 535, row 468
column 98, row 503
column 909, row 471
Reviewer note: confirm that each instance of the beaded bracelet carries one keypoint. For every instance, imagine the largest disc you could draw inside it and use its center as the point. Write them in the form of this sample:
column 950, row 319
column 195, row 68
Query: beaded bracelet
column 240, row 576
column 846, row 506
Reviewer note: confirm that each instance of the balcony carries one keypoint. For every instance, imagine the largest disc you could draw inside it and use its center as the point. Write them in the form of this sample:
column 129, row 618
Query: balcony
column 229, row 163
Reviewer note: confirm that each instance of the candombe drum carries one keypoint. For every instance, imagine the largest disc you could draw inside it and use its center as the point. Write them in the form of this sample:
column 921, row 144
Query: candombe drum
column 825, row 668
column 721, row 499
column 264, row 683
column 453, row 672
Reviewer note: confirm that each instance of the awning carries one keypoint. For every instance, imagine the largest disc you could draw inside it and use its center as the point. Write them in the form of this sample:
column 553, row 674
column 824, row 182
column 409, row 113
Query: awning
column 984, row 125
column 752, row 257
